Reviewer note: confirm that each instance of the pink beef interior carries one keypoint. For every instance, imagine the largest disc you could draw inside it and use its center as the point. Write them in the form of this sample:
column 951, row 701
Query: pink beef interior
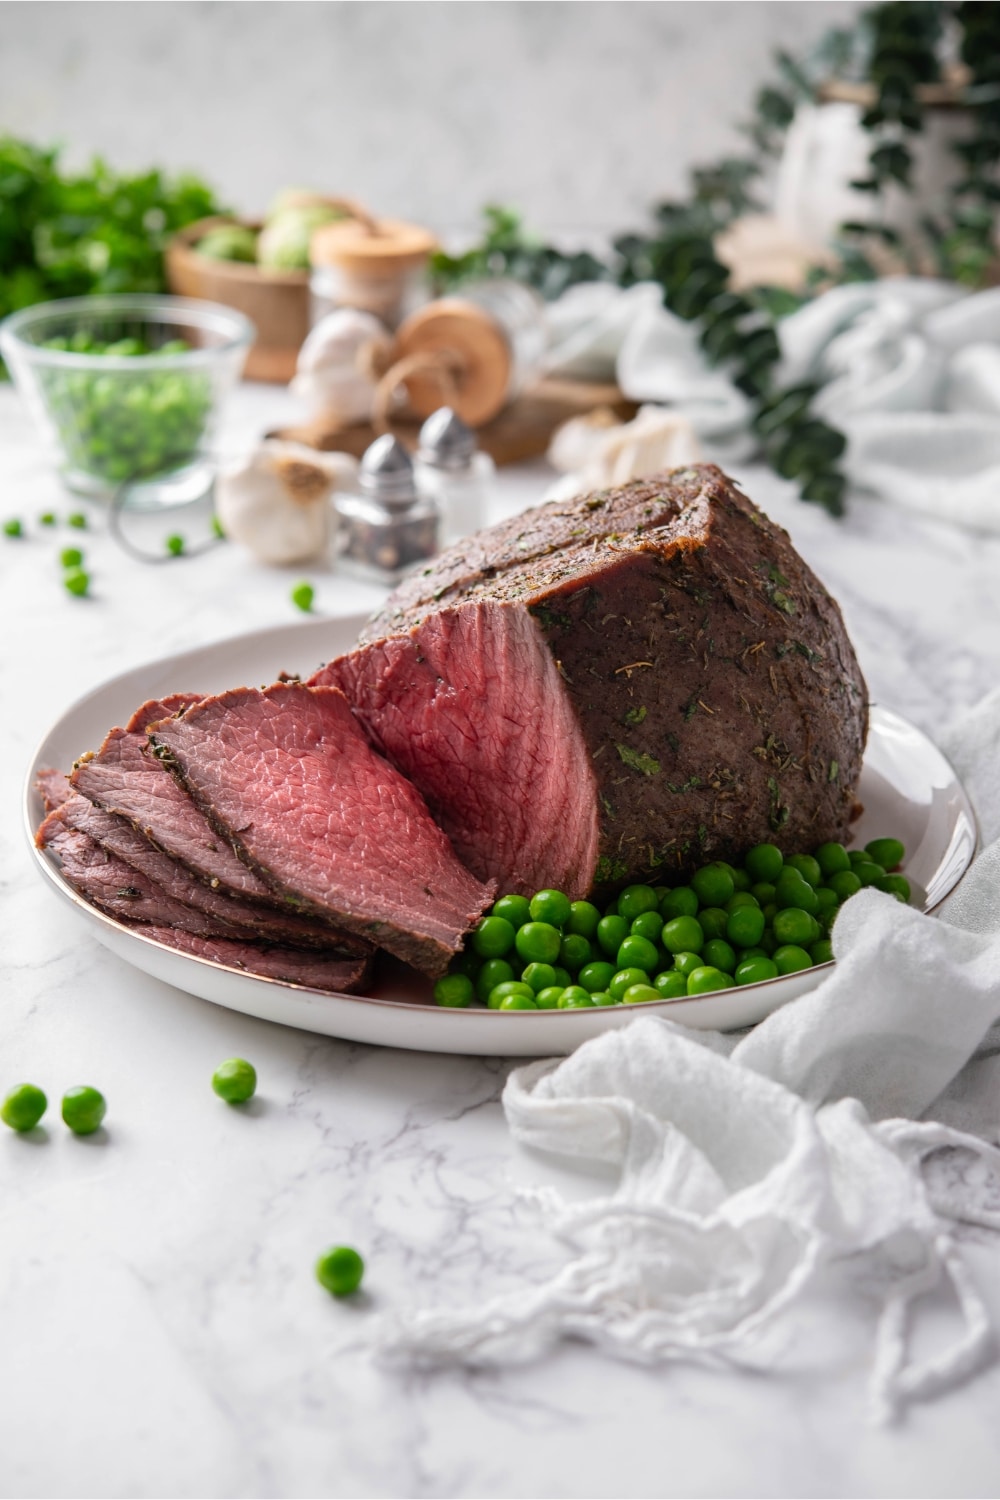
column 470, row 706
column 288, row 774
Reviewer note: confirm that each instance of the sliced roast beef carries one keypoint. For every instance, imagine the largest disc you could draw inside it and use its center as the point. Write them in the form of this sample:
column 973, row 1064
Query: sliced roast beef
column 155, row 709
column 53, row 787
column 313, row 971
column 286, row 774
column 265, row 924
column 121, row 778
column 119, row 888
column 617, row 688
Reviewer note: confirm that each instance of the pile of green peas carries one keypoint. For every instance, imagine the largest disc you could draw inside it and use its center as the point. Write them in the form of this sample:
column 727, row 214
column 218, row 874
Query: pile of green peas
column 120, row 425
column 729, row 925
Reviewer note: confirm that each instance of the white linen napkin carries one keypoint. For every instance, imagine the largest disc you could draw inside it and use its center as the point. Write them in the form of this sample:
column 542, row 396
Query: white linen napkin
column 747, row 1165
column 909, row 370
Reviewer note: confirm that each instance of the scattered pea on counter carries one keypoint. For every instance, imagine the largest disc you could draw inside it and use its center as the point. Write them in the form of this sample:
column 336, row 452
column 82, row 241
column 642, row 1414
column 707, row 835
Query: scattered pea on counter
column 175, row 545
column 83, row 1109
column 302, row 596
column 235, row 1080
column 340, row 1270
column 23, row 1107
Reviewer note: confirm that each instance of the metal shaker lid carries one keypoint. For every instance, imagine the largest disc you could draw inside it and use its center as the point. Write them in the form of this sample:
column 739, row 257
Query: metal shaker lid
column 446, row 442
column 386, row 473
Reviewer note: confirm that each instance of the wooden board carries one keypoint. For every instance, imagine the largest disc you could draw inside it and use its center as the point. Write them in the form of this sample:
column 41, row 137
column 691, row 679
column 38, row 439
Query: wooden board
column 522, row 431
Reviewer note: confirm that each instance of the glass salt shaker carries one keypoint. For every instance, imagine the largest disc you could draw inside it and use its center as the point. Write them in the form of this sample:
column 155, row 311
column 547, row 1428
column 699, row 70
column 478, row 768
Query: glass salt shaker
column 389, row 526
column 455, row 473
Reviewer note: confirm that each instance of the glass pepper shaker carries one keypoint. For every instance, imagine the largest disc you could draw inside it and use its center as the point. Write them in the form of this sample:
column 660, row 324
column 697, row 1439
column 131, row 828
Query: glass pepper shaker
column 388, row 526
column 455, row 473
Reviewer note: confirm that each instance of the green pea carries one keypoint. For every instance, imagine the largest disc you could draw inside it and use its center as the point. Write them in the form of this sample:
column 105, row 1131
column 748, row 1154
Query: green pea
column 634, row 900
column 548, row 999
column 302, row 596
column 763, row 891
column 603, row 997
column 712, row 884
column 596, row 976
column 574, row 997
column 539, row 976
column 454, row 991
column 551, row 907
column 740, row 878
column 492, row 937
column 639, row 953
column 23, row 1107
column 738, row 899
column 702, row 981
column 821, row 952
column 683, row 935
column 83, row 1109
column 844, row 884
column 235, row 1080
column 764, row 862
column 713, row 921
column 790, row 958
column 826, row 897
column 886, row 852
column 671, row 984
column 870, row 873
column 583, row 919
column 793, row 890
column 680, row 902
column 562, row 977
column 894, row 885
column 71, row 557
column 648, row 925
column 754, row 953
column 625, row 977
column 494, row 971
column 574, row 952
column 78, row 520
column 745, row 926
column 611, row 933
column 832, row 858
column 858, row 857
column 513, row 909
column 686, row 963
column 175, row 546
column 13, row 527
column 500, row 992
column 640, row 994
column 753, row 970
column 76, row 582
column 768, row 942
column 807, row 867
column 47, row 518
column 795, row 926
column 718, row 954
column 340, row 1270
column 518, row 1002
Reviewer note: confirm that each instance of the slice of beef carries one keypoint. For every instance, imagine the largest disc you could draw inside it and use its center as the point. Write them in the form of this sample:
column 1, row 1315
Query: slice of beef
column 53, row 787
column 121, row 778
column 313, row 971
column 287, row 774
column 617, row 688
column 155, row 709
column 262, row 923
column 116, row 887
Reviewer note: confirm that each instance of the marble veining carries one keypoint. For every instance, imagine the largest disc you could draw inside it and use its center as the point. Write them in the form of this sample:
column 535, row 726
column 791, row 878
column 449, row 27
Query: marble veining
column 161, row 1328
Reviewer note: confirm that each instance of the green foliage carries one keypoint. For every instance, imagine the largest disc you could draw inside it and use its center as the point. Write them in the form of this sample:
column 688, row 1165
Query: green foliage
column 65, row 235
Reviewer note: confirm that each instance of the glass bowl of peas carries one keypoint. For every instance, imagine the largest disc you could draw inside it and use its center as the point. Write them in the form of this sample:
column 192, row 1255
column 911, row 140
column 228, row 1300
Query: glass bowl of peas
column 127, row 390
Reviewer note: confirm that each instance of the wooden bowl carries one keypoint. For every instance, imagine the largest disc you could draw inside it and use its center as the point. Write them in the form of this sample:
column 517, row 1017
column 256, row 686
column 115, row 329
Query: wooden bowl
column 276, row 301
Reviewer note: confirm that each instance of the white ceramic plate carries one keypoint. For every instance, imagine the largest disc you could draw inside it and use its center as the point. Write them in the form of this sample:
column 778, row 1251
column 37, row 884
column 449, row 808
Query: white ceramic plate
column 907, row 787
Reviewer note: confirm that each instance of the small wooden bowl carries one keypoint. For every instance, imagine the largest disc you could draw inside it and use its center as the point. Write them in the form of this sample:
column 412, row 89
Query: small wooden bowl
column 276, row 301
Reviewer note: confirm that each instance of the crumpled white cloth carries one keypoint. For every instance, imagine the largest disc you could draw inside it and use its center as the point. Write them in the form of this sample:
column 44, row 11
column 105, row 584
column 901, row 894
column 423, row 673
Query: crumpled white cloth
column 909, row 369
column 745, row 1168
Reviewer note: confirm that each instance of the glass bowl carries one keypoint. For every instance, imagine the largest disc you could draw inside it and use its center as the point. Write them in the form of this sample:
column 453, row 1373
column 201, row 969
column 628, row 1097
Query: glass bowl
column 127, row 390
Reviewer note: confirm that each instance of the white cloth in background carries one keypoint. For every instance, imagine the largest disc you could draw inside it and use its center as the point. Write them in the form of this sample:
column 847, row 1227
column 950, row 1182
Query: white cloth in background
column 909, row 369
column 746, row 1167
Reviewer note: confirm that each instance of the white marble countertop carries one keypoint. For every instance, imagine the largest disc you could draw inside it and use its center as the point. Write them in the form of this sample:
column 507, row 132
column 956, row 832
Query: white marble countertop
column 160, row 1327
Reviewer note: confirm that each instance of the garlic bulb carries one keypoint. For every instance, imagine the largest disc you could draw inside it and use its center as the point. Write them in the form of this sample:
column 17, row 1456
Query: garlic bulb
column 597, row 450
column 336, row 366
column 277, row 504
